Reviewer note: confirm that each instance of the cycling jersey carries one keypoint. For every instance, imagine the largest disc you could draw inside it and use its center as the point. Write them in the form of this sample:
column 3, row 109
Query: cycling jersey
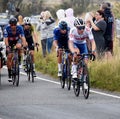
column 13, row 37
column 61, row 38
column 28, row 32
column 28, row 36
column 79, row 38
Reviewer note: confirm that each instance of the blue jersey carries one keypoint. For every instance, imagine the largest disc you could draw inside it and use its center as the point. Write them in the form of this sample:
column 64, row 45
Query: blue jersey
column 13, row 37
column 61, row 38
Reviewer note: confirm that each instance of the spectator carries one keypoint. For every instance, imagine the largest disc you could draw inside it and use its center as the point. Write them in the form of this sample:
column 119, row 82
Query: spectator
column 17, row 13
column 11, row 7
column 70, row 17
column 98, row 30
column 42, row 27
column 50, row 27
column 60, row 15
column 20, row 20
column 109, row 18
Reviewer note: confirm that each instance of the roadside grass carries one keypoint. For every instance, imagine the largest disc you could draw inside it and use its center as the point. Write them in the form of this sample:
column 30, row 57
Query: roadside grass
column 48, row 64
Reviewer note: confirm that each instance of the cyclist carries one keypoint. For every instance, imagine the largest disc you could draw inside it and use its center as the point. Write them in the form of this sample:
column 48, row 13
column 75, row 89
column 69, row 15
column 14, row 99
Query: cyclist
column 29, row 34
column 13, row 36
column 77, row 43
column 61, row 37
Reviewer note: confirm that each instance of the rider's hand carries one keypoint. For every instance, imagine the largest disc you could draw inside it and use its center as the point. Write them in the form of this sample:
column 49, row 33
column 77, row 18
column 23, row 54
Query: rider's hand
column 94, row 52
column 25, row 48
column 76, row 50
column 36, row 44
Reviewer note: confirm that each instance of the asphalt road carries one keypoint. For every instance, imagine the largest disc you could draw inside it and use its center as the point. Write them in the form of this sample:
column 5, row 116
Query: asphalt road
column 44, row 99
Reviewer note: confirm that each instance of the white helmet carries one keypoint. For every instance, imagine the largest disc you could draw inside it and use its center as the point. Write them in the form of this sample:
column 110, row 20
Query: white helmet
column 79, row 22
column 27, row 20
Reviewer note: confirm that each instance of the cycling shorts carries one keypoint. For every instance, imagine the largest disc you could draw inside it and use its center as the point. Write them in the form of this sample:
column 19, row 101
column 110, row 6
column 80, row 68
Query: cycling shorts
column 82, row 48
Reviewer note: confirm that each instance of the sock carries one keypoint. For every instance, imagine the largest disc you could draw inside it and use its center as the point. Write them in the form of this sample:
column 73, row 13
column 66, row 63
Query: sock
column 74, row 67
column 59, row 66
column 33, row 67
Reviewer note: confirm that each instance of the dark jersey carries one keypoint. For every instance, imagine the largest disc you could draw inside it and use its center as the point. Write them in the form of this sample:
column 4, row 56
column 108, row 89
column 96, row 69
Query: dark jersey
column 61, row 38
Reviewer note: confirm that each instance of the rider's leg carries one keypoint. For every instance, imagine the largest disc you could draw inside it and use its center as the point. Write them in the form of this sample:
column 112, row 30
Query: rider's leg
column 19, row 46
column 9, row 64
column 33, row 60
column 59, row 55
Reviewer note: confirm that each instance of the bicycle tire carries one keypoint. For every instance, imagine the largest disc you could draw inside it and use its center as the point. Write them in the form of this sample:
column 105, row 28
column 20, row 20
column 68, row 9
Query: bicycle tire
column 17, row 73
column 76, row 87
column 62, row 81
column 87, row 81
column 68, row 79
column 13, row 73
column 31, row 69
column 28, row 67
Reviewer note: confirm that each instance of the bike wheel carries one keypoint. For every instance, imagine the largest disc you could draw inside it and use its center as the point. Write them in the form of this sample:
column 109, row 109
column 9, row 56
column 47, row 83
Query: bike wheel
column 76, row 87
column 17, row 70
column 31, row 69
column 28, row 67
column 86, row 83
column 13, row 78
column 68, row 79
column 28, row 71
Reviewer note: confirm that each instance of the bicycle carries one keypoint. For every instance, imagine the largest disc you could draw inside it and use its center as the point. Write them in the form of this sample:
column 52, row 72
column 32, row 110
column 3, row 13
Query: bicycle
column 15, row 70
column 66, row 75
column 83, row 79
column 29, row 65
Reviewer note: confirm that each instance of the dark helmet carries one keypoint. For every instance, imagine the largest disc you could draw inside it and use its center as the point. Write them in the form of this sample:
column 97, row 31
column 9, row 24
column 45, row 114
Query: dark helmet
column 79, row 22
column 13, row 21
column 63, row 25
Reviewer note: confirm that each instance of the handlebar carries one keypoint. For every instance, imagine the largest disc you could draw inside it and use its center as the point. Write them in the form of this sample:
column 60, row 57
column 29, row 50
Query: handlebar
column 90, row 55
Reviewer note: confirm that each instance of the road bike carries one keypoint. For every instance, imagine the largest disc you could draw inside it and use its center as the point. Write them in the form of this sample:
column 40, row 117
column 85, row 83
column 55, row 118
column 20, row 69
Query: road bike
column 15, row 70
column 83, row 79
column 66, row 74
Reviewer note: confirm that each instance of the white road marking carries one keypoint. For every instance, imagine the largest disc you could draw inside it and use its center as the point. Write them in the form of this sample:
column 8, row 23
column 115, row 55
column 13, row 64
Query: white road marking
column 55, row 82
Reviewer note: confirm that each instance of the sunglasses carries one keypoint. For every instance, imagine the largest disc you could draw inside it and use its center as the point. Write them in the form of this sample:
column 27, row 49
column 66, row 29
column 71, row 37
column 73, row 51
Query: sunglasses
column 12, row 24
column 27, row 24
column 80, row 27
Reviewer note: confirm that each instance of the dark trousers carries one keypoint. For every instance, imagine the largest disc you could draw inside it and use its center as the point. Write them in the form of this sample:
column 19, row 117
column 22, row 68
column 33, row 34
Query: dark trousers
column 44, row 43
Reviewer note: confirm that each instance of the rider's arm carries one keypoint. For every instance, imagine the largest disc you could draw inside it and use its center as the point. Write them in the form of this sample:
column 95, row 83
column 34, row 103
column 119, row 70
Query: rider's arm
column 6, row 37
column 6, row 41
column 55, row 43
column 22, row 36
column 23, row 41
column 93, row 46
column 56, row 37
column 71, row 43
column 91, row 38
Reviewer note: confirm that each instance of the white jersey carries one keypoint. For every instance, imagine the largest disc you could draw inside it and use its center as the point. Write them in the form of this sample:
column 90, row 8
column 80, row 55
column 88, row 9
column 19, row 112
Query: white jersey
column 79, row 38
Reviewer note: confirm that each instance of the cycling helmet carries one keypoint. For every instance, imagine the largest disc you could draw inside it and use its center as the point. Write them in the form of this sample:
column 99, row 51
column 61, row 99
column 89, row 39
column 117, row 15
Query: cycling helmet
column 27, row 20
column 13, row 20
column 79, row 22
column 63, row 25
